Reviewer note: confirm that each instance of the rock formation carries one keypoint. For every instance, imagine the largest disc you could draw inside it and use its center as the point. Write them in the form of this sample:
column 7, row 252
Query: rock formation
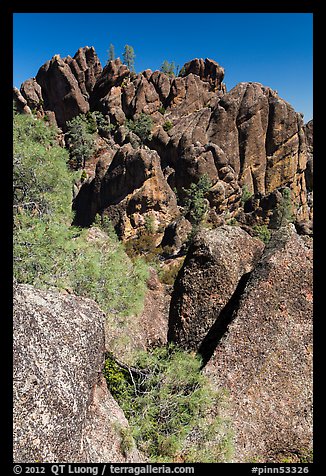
column 244, row 307
column 248, row 138
column 264, row 360
column 216, row 265
column 63, row 411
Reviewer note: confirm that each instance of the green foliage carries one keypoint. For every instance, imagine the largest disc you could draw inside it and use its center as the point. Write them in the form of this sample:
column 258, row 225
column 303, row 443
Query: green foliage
column 182, row 71
column 41, row 184
column 111, row 53
column 285, row 208
column 168, row 68
column 169, row 273
column 80, row 141
column 83, row 176
column 167, row 402
column 103, row 125
column 194, row 201
column 48, row 252
column 143, row 245
column 127, row 441
column 142, row 126
column 167, row 125
column 129, row 57
column 263, row 233
column 246, row 194
column 118, row 379
column 149, row 224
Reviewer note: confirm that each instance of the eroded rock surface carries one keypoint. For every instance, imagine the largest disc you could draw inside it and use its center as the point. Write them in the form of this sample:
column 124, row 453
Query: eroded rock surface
column 213, row 268
column 63, row 411
column 264, row 360
column 245, row 140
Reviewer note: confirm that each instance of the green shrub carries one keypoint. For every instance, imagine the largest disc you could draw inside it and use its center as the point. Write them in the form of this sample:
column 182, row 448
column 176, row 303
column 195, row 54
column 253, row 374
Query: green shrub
column 194, row 202
column 246, row 194
column 285, row 208
column 168, row 68
column 167, row 125
column 48, row 252
column 167, row 401
column 80, row 140
column 143, row 245
column 149, row 224
column 141, row 126
column 263, row 233
column 42, row 184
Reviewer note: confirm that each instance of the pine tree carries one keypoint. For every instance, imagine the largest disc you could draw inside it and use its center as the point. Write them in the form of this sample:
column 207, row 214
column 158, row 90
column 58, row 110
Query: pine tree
column 111, row 53
column 168, row 68
column 80, row 141
column 129, row 57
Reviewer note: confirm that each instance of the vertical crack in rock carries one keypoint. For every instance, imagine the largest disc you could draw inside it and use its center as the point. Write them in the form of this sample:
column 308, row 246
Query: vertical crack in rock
column 226, row 316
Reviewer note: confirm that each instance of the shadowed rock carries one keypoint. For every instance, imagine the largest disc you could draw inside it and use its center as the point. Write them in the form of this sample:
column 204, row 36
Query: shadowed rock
column 214, row 265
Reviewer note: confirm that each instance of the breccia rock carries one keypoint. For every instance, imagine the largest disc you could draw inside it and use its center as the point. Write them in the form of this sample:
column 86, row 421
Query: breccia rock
column 212, row 270
column 264, row 360
column 20, row 102
column 63, row 411
column 132, row 188
column 60, row 90
column 32, row 92
column 245, row 140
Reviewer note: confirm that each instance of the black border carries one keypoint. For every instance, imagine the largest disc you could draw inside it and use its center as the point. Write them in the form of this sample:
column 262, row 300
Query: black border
column 231, row 6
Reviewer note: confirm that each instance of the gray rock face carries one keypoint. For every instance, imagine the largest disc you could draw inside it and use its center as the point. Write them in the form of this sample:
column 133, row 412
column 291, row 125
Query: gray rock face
column 212, row 270
column 264, row 361
column 63, row 411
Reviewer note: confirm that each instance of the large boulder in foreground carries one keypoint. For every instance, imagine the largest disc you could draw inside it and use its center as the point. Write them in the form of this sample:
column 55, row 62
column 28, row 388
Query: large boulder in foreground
column 216, row 265
column 63, row 411
column 265, row 359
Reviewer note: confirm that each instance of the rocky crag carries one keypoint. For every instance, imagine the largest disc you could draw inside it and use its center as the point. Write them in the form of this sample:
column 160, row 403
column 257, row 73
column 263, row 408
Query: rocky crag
column 245, row 140
column 244, row 306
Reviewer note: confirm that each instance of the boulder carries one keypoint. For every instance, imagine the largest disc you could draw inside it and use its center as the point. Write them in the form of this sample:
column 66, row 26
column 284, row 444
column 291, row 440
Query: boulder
column 20, row 102
column 113, row 75
column 214, row 269
column 264, row 360
column 32, row 92
column 208, row 71
column 61, row 91
column 63, row 411
column 86, row 68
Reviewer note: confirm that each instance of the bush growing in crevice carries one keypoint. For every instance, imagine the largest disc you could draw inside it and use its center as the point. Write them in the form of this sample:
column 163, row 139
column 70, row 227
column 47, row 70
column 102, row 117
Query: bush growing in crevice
column 167, row 401
column 141, row 126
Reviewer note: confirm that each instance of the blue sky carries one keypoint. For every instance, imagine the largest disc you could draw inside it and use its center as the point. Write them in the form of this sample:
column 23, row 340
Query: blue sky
column 274, row 49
